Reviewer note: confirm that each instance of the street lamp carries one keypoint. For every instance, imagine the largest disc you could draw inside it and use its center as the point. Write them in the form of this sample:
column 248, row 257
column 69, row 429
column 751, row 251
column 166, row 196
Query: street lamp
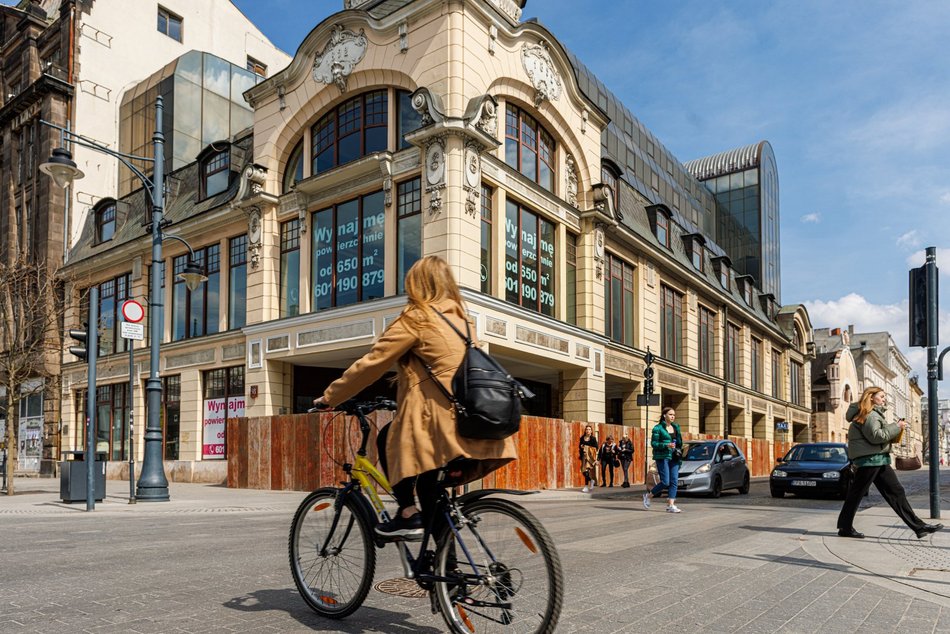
column 152, row 486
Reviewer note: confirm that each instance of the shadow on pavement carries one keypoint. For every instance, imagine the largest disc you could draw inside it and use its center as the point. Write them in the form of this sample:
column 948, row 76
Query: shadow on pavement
column 290, row 602
column 778, row 529
column 792, row 561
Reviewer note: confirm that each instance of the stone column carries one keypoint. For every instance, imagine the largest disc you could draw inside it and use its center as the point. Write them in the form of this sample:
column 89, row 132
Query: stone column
column 583, row 396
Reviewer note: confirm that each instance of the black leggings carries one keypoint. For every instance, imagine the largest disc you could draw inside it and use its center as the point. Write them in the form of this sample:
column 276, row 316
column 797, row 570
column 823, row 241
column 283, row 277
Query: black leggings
column 426, row 484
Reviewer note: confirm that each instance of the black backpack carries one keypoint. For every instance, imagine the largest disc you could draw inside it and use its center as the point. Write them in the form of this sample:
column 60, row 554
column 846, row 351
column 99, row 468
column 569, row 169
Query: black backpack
column 486, row 399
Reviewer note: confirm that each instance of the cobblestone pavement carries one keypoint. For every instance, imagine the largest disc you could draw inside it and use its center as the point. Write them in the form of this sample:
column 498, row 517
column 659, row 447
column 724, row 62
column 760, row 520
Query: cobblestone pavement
column 215, row 560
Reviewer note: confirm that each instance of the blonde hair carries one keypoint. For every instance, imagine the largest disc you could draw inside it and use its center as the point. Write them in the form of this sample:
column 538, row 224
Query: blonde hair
column 865, row 404
column 429, row 281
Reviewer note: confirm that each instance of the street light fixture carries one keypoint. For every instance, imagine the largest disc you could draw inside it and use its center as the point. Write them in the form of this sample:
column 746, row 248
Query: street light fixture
column 152, row 486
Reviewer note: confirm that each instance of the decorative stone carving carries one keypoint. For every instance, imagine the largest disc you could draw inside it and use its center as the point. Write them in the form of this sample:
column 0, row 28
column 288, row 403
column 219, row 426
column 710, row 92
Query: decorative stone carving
column 403, row 36
column 341, row 54
column 570, row 177
column 492, row 38
column 354, row 4
column 599, row 250
column 473, row 178
column 428, row 105
column 386, row 169
column 540, row 69
column 584, row 115
column 254, row 236
column 509, row 8
column 482, row 112
column 252, row 182
column 434, row 168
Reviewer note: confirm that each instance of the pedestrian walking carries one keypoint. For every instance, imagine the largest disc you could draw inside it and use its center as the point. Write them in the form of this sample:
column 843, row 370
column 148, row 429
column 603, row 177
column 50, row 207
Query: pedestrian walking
column 609, row 460
column 667, row 443
column 869, row 447
column 587, row 453
column 625, row 447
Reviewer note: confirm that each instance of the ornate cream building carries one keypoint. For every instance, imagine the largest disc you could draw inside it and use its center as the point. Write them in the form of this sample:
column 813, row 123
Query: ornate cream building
column 416, row 127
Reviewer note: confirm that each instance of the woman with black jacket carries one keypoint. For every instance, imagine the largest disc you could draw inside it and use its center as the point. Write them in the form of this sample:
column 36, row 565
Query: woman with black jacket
column 608, row 461
column 625, row 448
column 587, row 453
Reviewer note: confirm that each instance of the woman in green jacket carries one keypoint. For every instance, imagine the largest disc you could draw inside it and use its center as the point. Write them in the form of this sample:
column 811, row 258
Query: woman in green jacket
column 869, row 447
column 665, row 438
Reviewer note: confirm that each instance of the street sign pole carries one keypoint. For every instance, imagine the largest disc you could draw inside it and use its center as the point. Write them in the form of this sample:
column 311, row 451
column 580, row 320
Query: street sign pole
column 91, row 354
column 933, row 339
column 132, row 330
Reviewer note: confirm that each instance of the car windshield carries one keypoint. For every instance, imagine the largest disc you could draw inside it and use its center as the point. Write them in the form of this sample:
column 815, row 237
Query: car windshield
column 817, row 453
column 700, row 451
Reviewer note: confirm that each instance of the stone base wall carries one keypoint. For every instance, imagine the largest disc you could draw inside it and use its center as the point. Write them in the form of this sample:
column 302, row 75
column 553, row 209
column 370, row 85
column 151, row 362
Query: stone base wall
column 196, row 471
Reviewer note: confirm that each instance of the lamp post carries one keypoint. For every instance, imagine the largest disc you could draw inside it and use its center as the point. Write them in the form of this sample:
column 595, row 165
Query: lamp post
column 152, row 485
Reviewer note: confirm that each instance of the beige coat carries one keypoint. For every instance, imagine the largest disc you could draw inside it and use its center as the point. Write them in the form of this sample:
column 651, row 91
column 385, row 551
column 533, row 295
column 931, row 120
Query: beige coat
column 423, row 433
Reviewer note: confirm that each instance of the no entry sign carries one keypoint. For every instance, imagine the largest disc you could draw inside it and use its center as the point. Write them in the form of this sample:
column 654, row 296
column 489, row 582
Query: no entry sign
column 132, row 311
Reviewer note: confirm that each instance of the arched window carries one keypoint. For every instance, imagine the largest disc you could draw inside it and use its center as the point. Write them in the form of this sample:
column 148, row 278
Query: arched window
column 105, row 221
column 847, row 394
column 353, row 129
column 528, row 147
column 797, row 339
column 214, row 169
column 293, row 172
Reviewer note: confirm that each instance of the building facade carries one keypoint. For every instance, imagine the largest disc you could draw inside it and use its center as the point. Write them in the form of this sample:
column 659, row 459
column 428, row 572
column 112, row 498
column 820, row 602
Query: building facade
column 744, row 182
column 409, row 128
column 70, row 63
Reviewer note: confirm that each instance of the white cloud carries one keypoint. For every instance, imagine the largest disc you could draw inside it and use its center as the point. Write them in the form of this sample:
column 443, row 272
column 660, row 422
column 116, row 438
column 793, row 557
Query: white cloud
column 945, row 198
column 854, row 309
column 813, row 218
column 918, row 258
column 910, row 240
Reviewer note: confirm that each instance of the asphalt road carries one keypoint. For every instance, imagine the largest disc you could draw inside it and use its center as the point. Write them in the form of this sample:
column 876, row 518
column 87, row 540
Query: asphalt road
column 215, row 560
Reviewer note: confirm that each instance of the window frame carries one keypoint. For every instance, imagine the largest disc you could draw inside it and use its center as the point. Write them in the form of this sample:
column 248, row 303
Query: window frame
column 539, row 218
column 755, row 356
column 570, row 263
column 671, row 334
column 664, row 220
column 100, row 212
column 237, row 258
column 796, row 372
column 170, row 17
column 706, row 323
column 254, row 64
column 114, row 287
column 294, row 165
column 332, row 117
column 733, row 352
column 486, row 226
column 171, row 400
column 408, row 209
column 209, row 258
column 777, row 378
column 618, row 269
column 521, row 139
column 220, row 161
column 288, row 244
column 698, row 257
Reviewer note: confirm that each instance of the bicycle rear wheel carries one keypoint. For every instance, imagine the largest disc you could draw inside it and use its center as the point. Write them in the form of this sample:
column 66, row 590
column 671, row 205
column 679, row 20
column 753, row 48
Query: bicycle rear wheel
column 516, row 563
column 332, row 557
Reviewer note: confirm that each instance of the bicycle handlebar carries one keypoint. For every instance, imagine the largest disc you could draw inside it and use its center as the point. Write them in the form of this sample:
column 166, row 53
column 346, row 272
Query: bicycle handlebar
column 359, row 408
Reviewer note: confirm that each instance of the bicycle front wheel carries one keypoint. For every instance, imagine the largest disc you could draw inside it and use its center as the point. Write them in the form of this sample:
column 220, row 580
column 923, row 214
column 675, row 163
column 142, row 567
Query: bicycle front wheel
column 332, row 557
column 513, row 582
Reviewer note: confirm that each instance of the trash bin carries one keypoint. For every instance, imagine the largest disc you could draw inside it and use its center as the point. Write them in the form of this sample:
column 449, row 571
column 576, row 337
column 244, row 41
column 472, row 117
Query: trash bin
column 72, row 476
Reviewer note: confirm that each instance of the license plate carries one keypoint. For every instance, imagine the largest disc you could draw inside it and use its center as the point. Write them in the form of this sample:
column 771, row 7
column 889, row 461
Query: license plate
column 804, row 483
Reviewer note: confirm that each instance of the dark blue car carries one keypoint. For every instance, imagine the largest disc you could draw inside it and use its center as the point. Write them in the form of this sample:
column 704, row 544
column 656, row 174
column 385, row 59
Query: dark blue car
column 816, row 468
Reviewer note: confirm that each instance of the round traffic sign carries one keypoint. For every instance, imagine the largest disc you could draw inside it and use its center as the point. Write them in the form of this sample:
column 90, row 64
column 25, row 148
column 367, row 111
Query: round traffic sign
column 132, row 311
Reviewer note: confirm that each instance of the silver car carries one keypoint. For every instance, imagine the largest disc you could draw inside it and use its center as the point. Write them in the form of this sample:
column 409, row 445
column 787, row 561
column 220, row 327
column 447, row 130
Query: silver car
column 709, row 466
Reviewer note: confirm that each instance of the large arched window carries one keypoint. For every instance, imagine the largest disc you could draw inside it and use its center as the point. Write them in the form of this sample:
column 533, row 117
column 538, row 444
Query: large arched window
column 105, row 221
column 293, row 172
column 353, row 129
column 529, row 148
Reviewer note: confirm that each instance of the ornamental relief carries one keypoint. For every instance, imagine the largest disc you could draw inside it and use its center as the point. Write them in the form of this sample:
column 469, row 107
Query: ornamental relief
column 341, row 54
column 435, row 173
column 473, row 177
column 540, row 69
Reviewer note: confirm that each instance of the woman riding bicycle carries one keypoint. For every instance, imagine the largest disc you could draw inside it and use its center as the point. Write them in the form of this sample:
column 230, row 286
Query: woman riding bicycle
column 422, row 437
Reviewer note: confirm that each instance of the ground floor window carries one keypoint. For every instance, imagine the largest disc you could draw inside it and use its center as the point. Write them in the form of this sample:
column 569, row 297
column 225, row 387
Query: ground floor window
column 529, row 259
column 112, row 421
column 223, row 399
column 171, row 416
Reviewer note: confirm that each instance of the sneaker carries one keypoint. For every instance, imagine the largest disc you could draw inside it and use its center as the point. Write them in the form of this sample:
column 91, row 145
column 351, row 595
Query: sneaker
column 673, row 509
column 646, row 500
column 409, row 529
column 585, row 490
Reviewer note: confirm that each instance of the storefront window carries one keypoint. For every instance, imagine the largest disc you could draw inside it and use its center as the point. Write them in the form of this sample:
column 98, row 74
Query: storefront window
column 223, row 400
column 348, row 252
column 529, row 259
column 112, row 421
column 171, row 416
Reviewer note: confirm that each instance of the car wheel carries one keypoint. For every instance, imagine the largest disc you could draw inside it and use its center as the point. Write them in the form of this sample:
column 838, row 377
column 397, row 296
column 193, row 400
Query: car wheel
column 776, row 493
column 717, row 487
column 744, row 489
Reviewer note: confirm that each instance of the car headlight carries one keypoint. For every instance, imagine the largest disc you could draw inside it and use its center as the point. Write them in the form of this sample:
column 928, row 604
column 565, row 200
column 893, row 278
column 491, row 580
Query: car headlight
column 779, row 474
column 703, row 469
column 831, row 475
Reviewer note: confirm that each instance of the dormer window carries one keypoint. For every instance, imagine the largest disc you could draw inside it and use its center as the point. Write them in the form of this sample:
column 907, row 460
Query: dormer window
column 722, row 264
column 696, row 247
column 767, row 301
column 746, row 287
column 659, row 216
column 215, row 169
column 105, row 221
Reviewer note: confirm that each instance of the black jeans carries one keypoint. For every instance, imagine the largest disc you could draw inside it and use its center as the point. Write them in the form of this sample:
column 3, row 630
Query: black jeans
column 885, row 479
column 625, row 467
column 604, row 470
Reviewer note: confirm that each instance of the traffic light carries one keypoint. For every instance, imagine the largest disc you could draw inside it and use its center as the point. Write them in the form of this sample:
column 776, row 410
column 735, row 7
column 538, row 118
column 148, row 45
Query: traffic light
column 918, row 307
column 648, row 381
column 81, row 336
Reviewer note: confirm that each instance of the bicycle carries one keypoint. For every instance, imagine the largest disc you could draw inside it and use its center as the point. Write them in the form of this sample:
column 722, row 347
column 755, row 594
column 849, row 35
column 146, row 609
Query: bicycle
column 507, row 577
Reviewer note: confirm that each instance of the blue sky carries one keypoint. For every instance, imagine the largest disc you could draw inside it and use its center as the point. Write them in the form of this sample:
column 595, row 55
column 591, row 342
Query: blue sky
column 854, row 97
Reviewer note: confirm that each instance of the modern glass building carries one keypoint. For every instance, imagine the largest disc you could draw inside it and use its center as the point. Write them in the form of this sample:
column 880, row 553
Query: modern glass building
column 744, row 182
column 204, row 103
